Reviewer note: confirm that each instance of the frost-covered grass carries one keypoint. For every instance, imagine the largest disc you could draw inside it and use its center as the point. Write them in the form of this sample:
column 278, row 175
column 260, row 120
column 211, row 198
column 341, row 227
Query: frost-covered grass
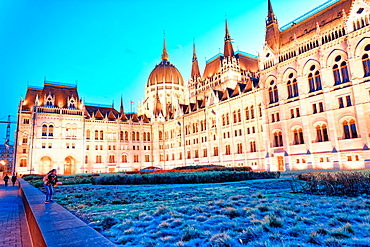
column 247, row 213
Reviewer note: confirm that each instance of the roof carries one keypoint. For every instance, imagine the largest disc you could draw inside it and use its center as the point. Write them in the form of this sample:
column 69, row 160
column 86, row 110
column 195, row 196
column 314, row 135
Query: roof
column 61, row 91
column 327, row 18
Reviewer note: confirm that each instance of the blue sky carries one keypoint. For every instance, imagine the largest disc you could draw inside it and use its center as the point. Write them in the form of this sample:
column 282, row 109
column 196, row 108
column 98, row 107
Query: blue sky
column 110, row 46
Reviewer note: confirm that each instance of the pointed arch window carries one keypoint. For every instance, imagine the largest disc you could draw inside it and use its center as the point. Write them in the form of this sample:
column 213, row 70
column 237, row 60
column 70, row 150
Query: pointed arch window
column 340, row 71
column 44, row 130
column 51, row 130
column 121, row 137
column 148, row 136
column 137, row 136
column 247, row 113
column 101, row 135
column 278, row 139
column 349, row 129
column 144, row 136
column 252, row 112
column 366, row 64
column 314, row 79
column 273, row 93
column 298, row 136
column 96, row 135
column 322, row 133
column 88, row 134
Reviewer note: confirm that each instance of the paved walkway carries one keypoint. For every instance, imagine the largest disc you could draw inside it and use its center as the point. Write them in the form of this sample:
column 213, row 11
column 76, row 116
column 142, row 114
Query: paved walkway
column 13, row 224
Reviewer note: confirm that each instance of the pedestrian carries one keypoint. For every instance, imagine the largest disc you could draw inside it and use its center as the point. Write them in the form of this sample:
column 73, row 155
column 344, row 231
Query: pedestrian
column 50, row 180
column 6, row 178
column 14, row 179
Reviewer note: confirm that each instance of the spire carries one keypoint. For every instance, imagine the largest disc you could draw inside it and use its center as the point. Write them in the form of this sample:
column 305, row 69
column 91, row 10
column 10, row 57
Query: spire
column 121, row 107
column 164, row 53
column 228, row 48
column 272, row 29
column 270, row 15
column 195, row 72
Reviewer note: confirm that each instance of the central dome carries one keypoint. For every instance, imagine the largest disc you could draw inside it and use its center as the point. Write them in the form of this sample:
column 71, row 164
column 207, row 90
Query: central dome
column 165, row 73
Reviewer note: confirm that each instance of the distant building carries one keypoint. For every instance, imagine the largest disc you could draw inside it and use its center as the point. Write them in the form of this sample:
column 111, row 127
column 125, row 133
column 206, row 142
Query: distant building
column 304, row 102
column 6, row 158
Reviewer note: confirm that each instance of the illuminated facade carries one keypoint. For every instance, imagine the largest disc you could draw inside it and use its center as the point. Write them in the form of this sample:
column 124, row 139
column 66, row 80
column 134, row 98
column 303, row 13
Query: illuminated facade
column 304, row 102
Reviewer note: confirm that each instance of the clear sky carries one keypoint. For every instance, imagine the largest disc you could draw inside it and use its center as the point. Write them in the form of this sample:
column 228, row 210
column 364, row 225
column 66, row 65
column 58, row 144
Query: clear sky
column 110, row 46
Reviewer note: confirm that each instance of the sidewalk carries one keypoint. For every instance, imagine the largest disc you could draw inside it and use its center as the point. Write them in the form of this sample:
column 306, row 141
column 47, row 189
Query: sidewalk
column 13, row 224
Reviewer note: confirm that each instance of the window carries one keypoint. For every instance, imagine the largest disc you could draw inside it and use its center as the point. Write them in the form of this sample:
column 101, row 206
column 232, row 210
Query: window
column 278, row 139
column 348, row 100
column 252, row 146
column 314, row 79
column 321, row 107
column 239, row 116
column 322, row 133
column 50, row 145
column 292, row 85
column 101, row 135
column 247, row 113
column 121, row 135
column 349, row 128
column 44, row 145
column 147, row 158
column 23, row 163
column 137, row 136
column 314, row 108
column 160, row 135
column 366, row 61
column 239, row 148
column 188, row 155
column 273, row 93
column 98, row 159
column 136, row 158
column 215, row 151
column 111, row 159
column 24, row 140
column 96, row 135
column 298, row 136
column 252, row 112
column 86, row 159
column 87, row 134
column 235, row 118
column 227, row 150
column 180, row 155
column 196, row 154
column 204, row 152
column 87, row 147
column 26, row 121
column 44, row 130
column 340, row 71
column 124, row 158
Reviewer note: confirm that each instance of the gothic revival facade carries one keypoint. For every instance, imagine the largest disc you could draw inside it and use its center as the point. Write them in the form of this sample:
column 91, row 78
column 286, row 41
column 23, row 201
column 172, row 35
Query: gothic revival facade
column 303, row 103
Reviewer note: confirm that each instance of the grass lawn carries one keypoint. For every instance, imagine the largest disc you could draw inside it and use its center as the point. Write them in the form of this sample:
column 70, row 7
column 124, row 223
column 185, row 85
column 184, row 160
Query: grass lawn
column 246, row 213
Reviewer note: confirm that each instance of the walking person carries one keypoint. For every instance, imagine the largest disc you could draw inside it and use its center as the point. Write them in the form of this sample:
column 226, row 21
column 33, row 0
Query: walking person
column 50, row 180
column 14, row 179
column 6, row 178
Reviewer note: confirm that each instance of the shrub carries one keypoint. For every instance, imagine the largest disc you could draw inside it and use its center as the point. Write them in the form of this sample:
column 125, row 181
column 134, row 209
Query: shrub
column 335, row 183
column 184, row 178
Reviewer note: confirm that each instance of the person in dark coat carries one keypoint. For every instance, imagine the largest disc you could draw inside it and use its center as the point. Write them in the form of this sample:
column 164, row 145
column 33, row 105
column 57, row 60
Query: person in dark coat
column 50, row 180
column 6, row 178
column 14, row 179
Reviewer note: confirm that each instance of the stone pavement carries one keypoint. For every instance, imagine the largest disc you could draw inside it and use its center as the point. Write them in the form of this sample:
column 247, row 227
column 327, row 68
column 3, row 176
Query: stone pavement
column 13, row 224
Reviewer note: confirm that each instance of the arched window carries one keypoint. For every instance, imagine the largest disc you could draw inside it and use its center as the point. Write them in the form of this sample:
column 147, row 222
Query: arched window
column 121, row 135
column 137, row 136
column 273, row 93
column 235, row 117
column 144, row 136
column 68, row 130
column 223, row 120
column 247, row 113
column 101, row 135
column 252, row 112
column 349, row 129
column 252, row 146
column 44, row 130
column 160, row 135
column 239, row 116
column 366, row 64
column 23, row 163
column 111, row 159
column 290, row 89
column 298, row 136
column 278, row 139
column 227, row 150
column 322, row 133
column 340, row 71
column 88, row 134
column 96, row 135
column 148, row 136
column 124, row 158
column 227, row 119
column 51, row 130
column 126, row 135
column 133, row 135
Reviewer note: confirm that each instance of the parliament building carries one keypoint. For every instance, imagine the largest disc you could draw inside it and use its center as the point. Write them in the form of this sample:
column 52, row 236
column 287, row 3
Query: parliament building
column 303, row 103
